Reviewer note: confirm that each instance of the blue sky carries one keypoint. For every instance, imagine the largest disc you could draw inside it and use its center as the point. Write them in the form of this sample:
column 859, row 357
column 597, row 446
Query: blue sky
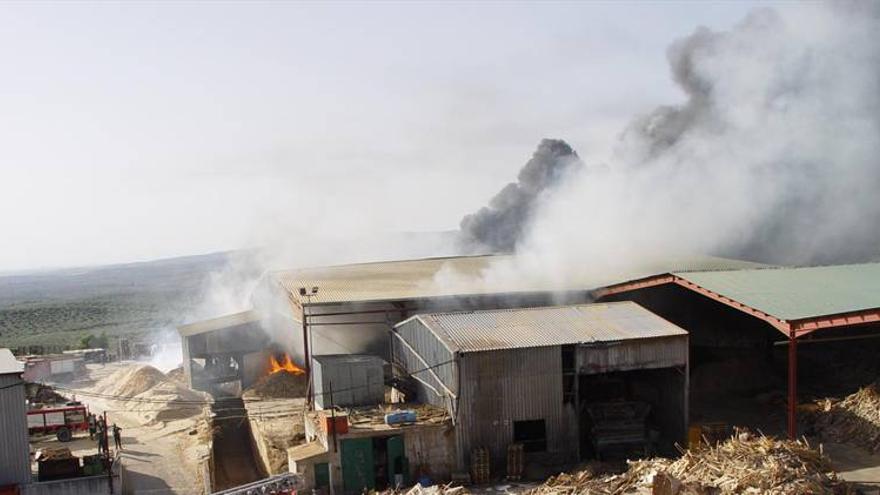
column 141, row 130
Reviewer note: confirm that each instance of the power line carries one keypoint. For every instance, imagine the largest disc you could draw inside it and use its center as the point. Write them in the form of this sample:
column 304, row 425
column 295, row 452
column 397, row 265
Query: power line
column 132, row 398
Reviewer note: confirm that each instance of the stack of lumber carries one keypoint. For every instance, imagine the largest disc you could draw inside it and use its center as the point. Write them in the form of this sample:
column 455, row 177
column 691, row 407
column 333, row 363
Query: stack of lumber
column 855, row 419
column 745, row 463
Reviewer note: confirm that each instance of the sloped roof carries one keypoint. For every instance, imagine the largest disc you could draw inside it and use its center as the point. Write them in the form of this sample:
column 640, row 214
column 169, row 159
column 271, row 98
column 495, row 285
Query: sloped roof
column 228, row 321
column 458, row 276
column 8, row 363
column 475, row 331
column 797, row 293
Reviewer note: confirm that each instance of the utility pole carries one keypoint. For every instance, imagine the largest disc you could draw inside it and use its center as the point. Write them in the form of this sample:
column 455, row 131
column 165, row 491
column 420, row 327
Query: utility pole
column 307, row 363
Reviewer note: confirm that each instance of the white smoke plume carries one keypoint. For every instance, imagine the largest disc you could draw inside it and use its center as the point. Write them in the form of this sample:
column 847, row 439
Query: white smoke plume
column 774, row 156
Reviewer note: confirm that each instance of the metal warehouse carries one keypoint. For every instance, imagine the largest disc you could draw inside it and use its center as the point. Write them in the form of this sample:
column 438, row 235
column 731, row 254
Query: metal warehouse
column 566, row 382
column 350, row 308
column 15, row 464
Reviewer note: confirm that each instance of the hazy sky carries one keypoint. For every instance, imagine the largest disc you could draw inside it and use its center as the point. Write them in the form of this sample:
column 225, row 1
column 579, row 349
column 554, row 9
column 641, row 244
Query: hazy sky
column 143, row 130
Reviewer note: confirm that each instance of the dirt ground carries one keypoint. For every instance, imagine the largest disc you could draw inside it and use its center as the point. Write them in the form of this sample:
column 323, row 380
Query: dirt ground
column 159, row 458
column 277, row 425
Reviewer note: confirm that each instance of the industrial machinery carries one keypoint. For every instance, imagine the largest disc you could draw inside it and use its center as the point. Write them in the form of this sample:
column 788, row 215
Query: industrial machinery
column 619, row 425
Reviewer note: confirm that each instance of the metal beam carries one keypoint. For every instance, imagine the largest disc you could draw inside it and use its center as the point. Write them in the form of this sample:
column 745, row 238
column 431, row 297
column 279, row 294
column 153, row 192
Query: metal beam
column 792, row 386
column 643, row 283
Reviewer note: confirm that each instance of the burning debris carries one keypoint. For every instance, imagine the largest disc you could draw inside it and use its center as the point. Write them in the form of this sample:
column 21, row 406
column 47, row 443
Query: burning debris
column 500, row 225
column 284, row 364
column 285, row 380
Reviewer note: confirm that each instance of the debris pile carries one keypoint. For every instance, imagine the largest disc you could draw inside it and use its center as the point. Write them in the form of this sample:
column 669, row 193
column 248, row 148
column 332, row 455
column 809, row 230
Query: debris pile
column 854, row 419
column 367, row 417
column 745, row 463
column 43, row 394
column 278, row 385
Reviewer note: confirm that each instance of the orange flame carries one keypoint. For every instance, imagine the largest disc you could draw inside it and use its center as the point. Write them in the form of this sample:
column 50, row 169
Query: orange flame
column 285, row 364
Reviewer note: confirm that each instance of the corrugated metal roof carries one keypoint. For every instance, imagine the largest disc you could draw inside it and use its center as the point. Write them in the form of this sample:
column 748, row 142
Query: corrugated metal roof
column 476, row 331
column 465, row 276
column 228, row 321
column 8, row 363
column 797, row 293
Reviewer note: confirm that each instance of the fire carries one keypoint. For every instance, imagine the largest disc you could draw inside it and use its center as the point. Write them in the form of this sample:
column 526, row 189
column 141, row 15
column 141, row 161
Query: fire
column 285, row 364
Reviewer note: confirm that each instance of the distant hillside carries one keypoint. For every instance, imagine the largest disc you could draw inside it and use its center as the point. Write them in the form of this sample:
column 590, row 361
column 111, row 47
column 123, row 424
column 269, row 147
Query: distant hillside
column 58, row 307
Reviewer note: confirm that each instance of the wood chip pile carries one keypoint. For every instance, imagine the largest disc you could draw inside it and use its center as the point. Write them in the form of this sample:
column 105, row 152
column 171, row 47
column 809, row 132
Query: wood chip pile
column 855, row 419
column 430, row 490
column 280, row 385
column 745, row 463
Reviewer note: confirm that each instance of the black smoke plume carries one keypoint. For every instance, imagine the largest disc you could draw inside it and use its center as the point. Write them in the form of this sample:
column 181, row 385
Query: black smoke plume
column 500, row 225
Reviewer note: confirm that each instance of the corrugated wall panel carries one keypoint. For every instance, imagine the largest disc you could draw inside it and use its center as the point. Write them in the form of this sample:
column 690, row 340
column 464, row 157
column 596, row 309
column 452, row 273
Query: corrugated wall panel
column 663, row 352
column 15, row 464
column 501, row 387
column 433, row 352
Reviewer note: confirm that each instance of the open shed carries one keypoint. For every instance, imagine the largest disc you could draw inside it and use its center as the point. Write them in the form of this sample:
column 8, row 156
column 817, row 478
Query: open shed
column 231, row 349
column 813, row 305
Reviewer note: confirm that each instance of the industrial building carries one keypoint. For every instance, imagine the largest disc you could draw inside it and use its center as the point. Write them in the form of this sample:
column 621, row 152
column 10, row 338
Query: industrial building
column 827, row 316
column 230, row 351
column 351, row 308
column 15, row 464
column 542, row 377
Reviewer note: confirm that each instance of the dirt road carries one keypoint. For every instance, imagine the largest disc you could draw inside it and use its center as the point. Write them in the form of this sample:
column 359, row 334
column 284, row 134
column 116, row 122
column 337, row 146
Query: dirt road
column 158, row 459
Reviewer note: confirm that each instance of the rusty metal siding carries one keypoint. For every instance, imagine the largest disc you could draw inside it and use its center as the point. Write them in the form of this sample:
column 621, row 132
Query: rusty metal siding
column 500, row 387
column 419, row 340
column 664, row 352
column 15, row 464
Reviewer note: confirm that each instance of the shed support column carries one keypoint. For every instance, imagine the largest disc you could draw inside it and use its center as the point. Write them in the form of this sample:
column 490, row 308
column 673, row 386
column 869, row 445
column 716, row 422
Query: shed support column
column 306, row 367
column 792, row 385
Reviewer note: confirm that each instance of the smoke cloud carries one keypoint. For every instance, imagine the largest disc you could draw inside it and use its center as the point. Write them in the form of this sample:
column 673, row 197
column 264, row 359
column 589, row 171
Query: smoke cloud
column 499, row 225
column 774, row 155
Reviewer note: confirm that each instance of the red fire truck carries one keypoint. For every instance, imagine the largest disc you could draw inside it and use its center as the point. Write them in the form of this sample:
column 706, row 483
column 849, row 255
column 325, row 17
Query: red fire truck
column 61, row 420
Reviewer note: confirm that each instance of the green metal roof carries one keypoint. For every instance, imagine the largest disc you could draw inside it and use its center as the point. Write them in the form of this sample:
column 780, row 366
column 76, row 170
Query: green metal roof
column 797, row 293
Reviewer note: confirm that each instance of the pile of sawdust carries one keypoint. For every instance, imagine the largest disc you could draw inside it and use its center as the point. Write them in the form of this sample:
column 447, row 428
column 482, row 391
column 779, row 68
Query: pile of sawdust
column 280, row 385
column 854, row 419
column 154, row 397
column 168, row 401
column 745, row 463
column 177, row 375
column 132, row 381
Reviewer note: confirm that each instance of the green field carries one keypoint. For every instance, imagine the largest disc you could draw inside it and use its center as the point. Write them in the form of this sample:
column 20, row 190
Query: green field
column 58, row 308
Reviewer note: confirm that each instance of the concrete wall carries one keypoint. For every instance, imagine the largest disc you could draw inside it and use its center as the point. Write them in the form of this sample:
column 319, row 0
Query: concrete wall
column 15, row 464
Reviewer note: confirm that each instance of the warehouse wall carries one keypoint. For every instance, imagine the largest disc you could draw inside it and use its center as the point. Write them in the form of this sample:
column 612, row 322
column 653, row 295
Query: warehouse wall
column 663, row 352
column 501, row 387
column 15, row 464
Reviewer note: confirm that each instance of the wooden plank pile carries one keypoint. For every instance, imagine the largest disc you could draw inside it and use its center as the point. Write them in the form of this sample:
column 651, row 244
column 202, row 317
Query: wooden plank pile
column 745, row 463
column 854, row 419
